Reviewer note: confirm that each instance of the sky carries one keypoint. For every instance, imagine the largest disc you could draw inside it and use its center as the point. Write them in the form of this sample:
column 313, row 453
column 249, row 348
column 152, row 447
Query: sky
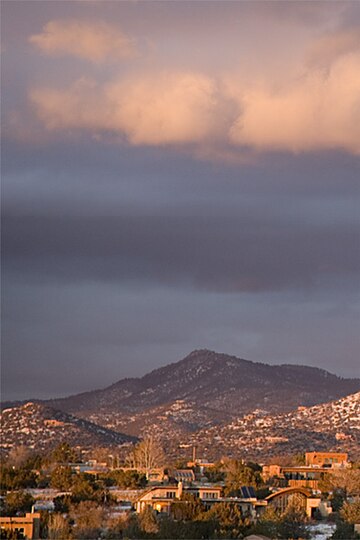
column 177, row 176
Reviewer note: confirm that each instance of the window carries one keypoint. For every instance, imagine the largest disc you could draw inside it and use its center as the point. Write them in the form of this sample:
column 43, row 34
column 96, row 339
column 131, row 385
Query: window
column 170, row 494
column 210, row 495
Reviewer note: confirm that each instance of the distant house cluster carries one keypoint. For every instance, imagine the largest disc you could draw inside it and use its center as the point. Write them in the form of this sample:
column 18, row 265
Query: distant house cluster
column 168, row 487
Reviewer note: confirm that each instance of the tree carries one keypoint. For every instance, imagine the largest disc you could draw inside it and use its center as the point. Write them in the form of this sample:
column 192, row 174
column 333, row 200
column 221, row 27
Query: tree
column 63, row 453
column 115, row 528
column 58, row 527
column 147, row 521
column 200, row 528
column 17, row 478
column 18, row 501
column 298, row 459
column 62, row 503
column 344, row 531
column 227, row 514
column 147, row 455
column 268, row 524
column 82, row 489
column 188, row 508
column 238, row 475
column 350, row 512
column 132, row 529
column 215, row 473
column 292, row 524
column 89, row 518
column 18, row 456
column 229, row 520
column 125, row 479
column 343, row 481
column 61, row 478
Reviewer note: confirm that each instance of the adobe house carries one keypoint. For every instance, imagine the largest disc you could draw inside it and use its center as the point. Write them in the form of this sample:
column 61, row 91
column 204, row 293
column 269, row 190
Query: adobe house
column 326, row 459
column 160, row 497
column 27, row 526
column 303, row 497
column 317, row 465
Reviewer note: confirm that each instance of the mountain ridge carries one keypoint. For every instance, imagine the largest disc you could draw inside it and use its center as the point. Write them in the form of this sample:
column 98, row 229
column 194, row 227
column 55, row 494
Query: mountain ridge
column 217, row 380
column 331, row 426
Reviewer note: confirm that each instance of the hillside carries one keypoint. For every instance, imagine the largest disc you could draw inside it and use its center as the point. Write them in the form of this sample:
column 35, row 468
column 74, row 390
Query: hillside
column 215, row 384
column 40, row 427
column 329, row 426
column 219, row 403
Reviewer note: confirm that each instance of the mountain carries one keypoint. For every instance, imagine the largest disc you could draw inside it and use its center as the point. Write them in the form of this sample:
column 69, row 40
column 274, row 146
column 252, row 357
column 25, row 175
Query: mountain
column 219, row 385
column 41, row 427
column 327, row 427
column 219, row 403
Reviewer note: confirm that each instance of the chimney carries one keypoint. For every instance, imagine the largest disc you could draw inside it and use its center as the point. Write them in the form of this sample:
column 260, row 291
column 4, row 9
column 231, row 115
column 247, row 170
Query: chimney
column 179, row 489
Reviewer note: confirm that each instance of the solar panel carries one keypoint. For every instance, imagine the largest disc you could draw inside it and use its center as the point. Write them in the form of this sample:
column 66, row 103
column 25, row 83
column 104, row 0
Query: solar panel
column 247, row 492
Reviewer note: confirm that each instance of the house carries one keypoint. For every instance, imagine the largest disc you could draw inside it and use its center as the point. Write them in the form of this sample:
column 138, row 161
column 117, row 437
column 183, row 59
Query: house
column 43, row 506
column 333, row 460
column 317, row 466
column 161, row 497
column 271, row 471
column 307, row 477
column 303, row 497
column 91, row 467
column 181, row 475
column 155, row 474
column 250, row 507
column 27, row 526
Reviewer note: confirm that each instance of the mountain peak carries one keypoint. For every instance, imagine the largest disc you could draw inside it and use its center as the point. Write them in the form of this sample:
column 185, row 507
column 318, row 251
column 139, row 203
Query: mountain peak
column 218, row 381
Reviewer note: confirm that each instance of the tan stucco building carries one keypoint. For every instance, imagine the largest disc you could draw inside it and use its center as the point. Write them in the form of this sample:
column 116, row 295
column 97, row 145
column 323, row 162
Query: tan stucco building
column 27, row 526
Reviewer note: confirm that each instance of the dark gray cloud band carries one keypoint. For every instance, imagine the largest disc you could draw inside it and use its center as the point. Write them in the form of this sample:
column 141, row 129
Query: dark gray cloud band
column 235, row 253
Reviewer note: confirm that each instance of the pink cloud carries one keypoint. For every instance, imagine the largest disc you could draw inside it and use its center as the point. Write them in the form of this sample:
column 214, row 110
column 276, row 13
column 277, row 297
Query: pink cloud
column 329, row 47
column 317, row 111
column 94, row 41
column 169, row 108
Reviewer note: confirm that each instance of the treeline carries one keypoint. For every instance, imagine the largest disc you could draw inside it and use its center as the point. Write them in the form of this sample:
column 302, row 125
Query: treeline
column 87, row 509
column 23, row 470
